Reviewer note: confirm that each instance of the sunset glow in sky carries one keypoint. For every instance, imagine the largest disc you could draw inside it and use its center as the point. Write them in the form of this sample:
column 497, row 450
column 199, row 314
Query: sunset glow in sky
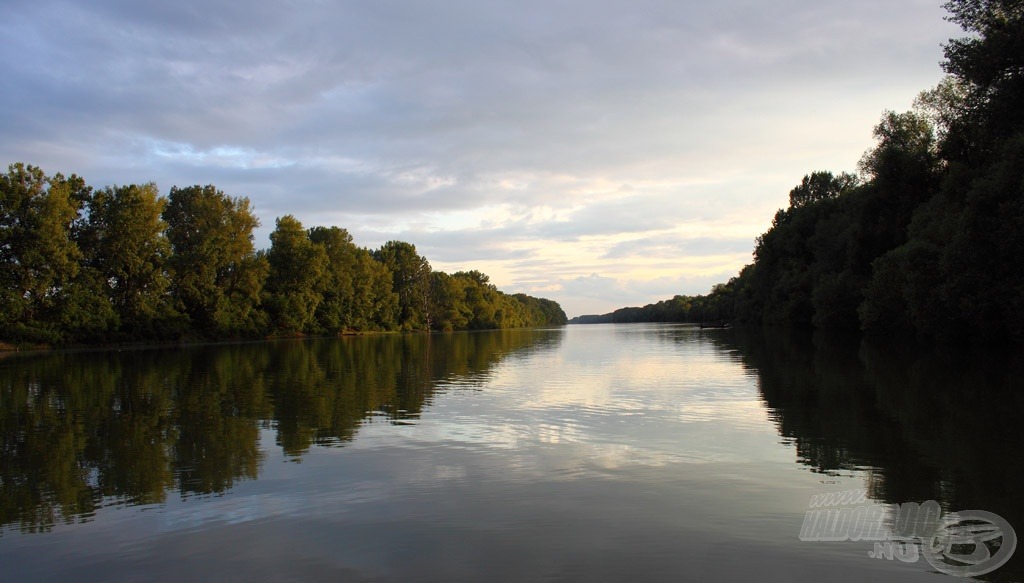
column 599, row 153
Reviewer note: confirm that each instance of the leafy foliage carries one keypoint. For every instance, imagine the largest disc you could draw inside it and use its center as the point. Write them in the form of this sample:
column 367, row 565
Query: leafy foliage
column 39, row 257
column 124, row 242
column 217, row 277
column 410, row 274
column 124, row 263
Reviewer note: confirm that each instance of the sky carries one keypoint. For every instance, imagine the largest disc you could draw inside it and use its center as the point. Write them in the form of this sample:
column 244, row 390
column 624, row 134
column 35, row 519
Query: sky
column 599, row 153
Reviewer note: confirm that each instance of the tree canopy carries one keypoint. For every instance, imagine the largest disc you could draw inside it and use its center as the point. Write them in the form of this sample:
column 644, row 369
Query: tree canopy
column 123, row 263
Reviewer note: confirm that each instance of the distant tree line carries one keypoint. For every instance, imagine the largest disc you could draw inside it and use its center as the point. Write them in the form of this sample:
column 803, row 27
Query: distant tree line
column 123, row 263
column 714, row 307
column 929, row 238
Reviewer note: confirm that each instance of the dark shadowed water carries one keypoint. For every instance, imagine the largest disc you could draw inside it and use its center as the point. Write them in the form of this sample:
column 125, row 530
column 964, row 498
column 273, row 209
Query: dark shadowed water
column 590, row 453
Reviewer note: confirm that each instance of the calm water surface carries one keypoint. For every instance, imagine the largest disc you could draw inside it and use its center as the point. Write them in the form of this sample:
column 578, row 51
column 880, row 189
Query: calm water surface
column 590, row 453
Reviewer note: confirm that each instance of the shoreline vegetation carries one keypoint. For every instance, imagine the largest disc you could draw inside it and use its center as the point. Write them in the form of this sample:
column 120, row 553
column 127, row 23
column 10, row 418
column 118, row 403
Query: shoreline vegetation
column 927, row 239
column 124, row 265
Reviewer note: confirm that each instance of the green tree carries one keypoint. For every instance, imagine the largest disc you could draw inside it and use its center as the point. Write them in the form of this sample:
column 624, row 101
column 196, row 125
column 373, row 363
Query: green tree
column 989, row 66
column 127, row 247
column 39, row 257
column 377, row 305
column 981, row 275
column 293, row 287
column 341, row 308
column 356, row 290
column 819, row 186
column 410, row 281
column 447, row 297
column 481, row 299
column 216, row 275
column 905, row 156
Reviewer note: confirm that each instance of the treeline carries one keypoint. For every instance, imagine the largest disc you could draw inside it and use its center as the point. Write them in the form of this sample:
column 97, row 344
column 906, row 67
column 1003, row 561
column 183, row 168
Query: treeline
column 928, row 239
column 123, row 263
column 715, row 307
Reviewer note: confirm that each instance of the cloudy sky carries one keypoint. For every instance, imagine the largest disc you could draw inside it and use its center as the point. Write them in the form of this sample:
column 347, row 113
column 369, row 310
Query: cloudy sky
column 600, row 153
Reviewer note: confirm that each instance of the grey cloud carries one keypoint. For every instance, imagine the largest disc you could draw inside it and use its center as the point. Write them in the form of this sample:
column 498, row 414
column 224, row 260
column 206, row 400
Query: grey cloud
column 403, row 69
column 632, row 215
column 391, row 110
column 453, row 246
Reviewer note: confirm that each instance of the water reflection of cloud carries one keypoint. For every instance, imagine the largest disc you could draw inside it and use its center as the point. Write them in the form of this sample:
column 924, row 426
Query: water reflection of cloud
column 705, row 384
column 607, row 401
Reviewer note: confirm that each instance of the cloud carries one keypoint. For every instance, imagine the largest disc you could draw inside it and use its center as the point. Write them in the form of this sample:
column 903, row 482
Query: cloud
column 553, row 137
column 674, row 246
column 598, row 294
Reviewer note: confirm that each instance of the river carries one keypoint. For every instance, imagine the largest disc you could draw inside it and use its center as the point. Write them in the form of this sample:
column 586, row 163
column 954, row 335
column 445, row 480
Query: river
column 651, row 452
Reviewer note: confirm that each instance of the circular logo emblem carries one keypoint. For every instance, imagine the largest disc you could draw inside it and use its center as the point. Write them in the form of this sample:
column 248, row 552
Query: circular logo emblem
column 970, row 543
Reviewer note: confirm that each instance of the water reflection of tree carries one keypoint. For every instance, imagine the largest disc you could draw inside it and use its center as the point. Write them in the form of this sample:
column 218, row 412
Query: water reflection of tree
column 323, row 390
column 83, row 430
column 938, row 424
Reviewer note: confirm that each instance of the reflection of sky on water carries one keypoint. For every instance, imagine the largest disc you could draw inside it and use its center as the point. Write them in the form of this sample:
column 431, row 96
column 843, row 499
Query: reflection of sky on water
column 640, row 399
